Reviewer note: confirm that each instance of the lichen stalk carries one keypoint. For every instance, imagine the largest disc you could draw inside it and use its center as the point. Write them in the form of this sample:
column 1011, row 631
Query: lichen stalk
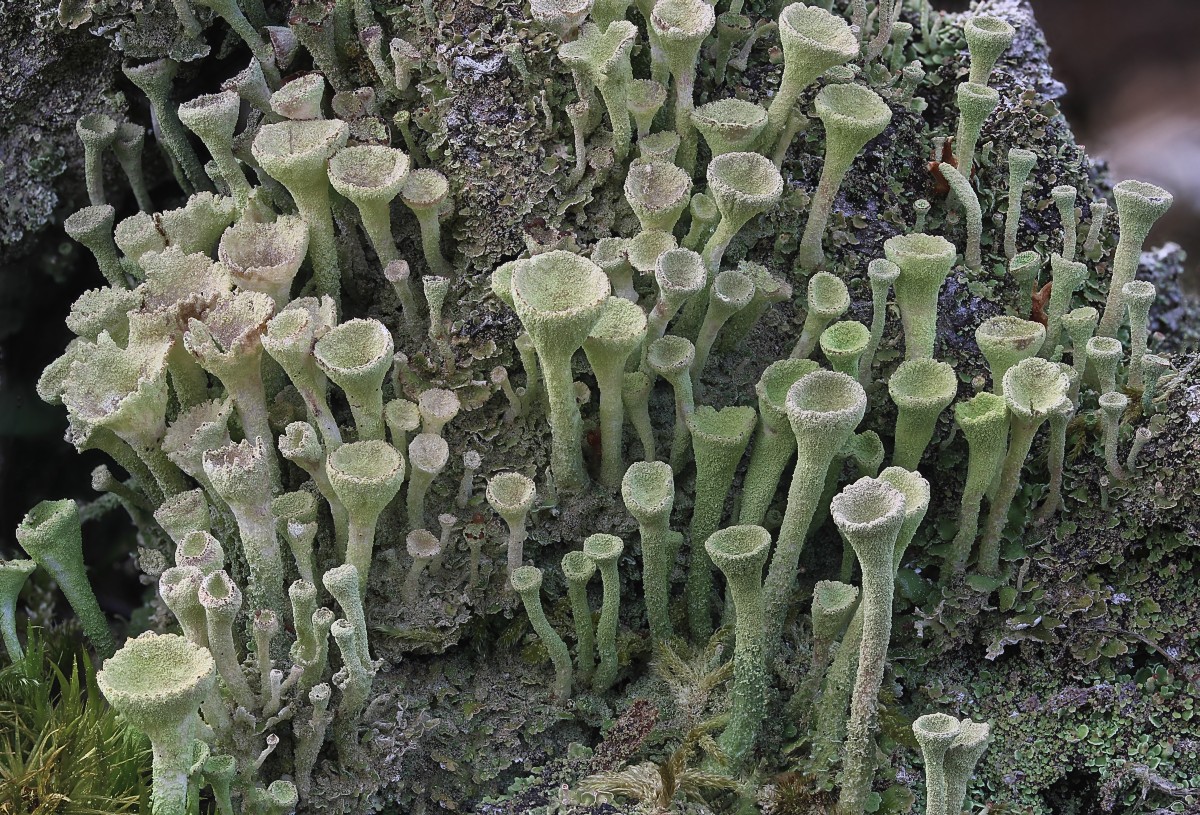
column 740, row 553
column 966, row 195
column 983, row 420
column 619, row 332
column 719, row 440
column 853, row 115
column 1032, row 389
column 527, row 581
column 578, row 568
column 604, row 550
column 52, row 534
column 823, row 408
column 869, row 514
column 1139, row 206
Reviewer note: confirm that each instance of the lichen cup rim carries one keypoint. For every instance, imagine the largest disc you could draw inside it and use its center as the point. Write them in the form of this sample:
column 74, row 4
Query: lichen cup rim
column 827, row 397
column 572, row 288
column 681, row 270
column 648, row 488
column 827, row 294
column 682, row 20
column 1010, row 332
column 1034, row 387
column 670, row 353
column 340, row 347
column 152, row 673
column 749, row 180
column 919, row 248
column 365, row 463
column 779, row 377
column 645, row 248
column 846, row 336
column 852, row 108
column 820, row 31
column 868, row 504
column 742, row 545
column 369, row 171
column 665, row 184
column 511, row 490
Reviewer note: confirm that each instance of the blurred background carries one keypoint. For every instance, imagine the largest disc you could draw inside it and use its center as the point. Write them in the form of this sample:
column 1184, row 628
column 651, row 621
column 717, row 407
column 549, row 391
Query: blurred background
column 1132, row 72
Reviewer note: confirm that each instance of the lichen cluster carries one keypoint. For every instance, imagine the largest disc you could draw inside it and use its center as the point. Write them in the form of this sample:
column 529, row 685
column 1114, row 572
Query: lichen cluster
column 342, row 380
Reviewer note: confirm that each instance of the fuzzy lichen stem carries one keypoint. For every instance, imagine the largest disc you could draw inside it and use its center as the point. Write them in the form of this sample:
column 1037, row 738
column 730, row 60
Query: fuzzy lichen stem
column 1056, row 454
column 604, row 550
column 1139, row 298
column 578, row 568
column 1064, row 200
column 869, row 514
column 619, row 332
column 154, row 79
column 1096, row 228
column 853, row 115
column 719, row 440
column 965, row 193
column 1139, row 206
column 52, row 534
column 1140, row 438
column 648, row 489
column 984, row 421
column 635, row 393
column 527, row 581
column 823, row 408
column 740, row 552
column 1020, row 164
column 882, row 273
column 13, row 574
column 1112, row 407
column 1032, row 389
column 774, row 442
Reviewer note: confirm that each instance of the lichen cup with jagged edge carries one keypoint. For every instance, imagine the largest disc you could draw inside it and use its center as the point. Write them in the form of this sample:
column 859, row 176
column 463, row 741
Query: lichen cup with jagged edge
column 265, row 257
column 294, row 153
column 730, row 125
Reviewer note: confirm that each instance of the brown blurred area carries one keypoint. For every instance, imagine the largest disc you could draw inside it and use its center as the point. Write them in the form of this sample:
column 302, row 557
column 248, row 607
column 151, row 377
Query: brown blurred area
column 1132, row 71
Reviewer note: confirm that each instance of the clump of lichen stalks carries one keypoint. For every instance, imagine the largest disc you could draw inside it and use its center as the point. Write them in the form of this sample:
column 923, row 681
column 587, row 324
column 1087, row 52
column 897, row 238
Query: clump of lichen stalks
column 348, row 404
